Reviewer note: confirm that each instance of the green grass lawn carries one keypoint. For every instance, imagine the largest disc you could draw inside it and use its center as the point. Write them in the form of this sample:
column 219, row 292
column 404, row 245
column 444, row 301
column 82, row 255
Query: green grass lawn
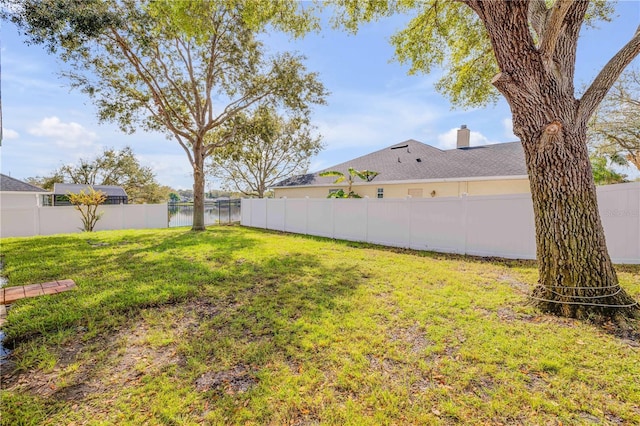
column 242, row 326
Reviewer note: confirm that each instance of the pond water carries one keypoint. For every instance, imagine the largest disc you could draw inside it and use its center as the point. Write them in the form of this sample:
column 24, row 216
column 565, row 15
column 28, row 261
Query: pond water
column 214, row 213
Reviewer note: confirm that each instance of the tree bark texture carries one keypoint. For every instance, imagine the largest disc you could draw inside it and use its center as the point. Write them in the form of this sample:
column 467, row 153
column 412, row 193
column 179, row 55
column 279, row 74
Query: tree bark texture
column 198, row 188
column 576, row 275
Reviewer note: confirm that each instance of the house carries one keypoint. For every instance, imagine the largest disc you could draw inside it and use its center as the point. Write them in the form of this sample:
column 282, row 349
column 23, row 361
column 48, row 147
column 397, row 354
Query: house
column 115, row 194
column 15, row 193
column 415, row 169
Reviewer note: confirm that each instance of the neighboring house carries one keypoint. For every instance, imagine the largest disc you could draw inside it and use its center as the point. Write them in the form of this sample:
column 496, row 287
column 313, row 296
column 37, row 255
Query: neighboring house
column 15, row 193
column 115, row 194
column 415, row 169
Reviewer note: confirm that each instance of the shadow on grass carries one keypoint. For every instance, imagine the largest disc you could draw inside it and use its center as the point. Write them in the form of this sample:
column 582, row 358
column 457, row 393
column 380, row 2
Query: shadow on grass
column 257, row 311
column 116, row 274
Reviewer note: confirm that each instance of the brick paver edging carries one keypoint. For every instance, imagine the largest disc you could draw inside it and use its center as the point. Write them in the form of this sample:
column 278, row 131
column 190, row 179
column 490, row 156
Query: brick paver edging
column 11, row 294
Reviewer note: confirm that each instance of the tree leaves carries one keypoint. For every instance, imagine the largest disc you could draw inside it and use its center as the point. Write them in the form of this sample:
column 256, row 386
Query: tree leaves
column 262, row 149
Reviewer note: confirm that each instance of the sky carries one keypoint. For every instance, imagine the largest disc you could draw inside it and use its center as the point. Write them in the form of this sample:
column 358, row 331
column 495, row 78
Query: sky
column 373, row 104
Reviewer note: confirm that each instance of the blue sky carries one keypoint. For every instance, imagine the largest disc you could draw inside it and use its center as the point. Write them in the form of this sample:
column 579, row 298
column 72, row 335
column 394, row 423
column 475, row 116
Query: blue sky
column 373, row 102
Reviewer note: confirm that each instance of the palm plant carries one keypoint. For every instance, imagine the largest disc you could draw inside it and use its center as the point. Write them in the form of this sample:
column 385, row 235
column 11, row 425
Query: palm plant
column 365, row 175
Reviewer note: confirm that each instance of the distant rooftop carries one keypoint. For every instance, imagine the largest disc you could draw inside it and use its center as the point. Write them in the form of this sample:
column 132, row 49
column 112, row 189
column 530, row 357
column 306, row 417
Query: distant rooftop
column 73, row 188
column 9, row 184
column 413, row 160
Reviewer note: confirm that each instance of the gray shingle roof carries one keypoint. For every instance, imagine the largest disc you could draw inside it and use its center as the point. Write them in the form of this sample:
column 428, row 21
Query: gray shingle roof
column 108, row 190
column 9, row 184
column 413, row 160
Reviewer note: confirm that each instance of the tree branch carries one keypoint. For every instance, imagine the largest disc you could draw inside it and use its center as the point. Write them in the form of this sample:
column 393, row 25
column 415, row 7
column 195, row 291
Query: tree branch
column 553, row 27
column 607, row 77
column 538, row 14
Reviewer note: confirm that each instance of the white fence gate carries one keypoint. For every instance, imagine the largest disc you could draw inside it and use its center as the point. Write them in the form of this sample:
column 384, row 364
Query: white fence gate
column 500, row 225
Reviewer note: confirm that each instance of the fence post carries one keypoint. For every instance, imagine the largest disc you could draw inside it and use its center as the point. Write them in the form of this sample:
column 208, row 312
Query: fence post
column 366, row 218
column 410, row 212
column 37, row 219
column 465, row 220
column 333, row 218
column 284, row 214
column 306, row 221
column 266, row 213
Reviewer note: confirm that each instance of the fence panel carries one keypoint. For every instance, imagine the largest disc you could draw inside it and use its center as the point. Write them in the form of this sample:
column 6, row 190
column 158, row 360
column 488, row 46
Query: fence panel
column 437, row 224
column 297, row 215
column 620, row 213
column 19, row 222
column 500, row 226
column 381, row 230
column 350, row 219
column 49, row 220
column 321, row 218
column 276, row 214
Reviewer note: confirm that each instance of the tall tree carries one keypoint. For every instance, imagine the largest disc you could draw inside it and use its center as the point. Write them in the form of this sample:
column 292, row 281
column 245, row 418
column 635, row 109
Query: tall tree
column 112, row 167
column 525, row 50
column 614, row 130
column 183, row 68
column 265, row 148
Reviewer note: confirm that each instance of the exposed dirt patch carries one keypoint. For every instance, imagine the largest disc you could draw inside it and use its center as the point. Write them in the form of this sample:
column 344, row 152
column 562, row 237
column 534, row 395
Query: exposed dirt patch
column 482, row 387
column 77, row 375
column 628, row 333
column 413, row 338
column 238, row 379
column 517, row 285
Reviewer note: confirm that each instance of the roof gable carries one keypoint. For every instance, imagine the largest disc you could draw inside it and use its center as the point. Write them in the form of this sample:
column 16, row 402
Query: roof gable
column 414, row 160
column 9, row 184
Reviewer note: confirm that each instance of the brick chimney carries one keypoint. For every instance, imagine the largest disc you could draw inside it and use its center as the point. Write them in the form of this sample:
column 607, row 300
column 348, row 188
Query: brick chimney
column 463, row 137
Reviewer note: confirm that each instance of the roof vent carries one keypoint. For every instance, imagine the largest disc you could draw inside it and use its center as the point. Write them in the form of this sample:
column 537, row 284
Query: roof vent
column 463, row 137
column 400, row 147
column 419, row 160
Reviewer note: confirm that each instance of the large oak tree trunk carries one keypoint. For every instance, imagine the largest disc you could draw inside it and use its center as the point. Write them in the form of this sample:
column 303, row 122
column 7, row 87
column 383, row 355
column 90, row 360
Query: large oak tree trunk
column 576, row 276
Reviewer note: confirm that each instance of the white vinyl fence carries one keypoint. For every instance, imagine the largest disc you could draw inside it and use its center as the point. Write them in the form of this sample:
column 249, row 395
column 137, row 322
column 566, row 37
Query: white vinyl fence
column 38, row 220
column 500, row 225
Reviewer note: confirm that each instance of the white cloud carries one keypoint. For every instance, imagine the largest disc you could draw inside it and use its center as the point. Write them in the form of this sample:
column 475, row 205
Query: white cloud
column 64, row 135
column 9, row 134
column 449, row 139
column 172, row 170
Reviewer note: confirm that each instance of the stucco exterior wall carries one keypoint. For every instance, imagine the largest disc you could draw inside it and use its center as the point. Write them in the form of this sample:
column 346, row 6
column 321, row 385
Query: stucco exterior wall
column 19, row 199
column 416, row 190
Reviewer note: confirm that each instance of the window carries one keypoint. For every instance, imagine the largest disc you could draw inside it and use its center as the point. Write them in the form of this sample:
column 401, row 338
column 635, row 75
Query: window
column 380, row 192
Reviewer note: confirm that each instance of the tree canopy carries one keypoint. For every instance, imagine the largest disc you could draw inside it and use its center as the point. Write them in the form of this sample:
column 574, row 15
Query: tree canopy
column 264, row 148
column 180, row 68
column 112, row 167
